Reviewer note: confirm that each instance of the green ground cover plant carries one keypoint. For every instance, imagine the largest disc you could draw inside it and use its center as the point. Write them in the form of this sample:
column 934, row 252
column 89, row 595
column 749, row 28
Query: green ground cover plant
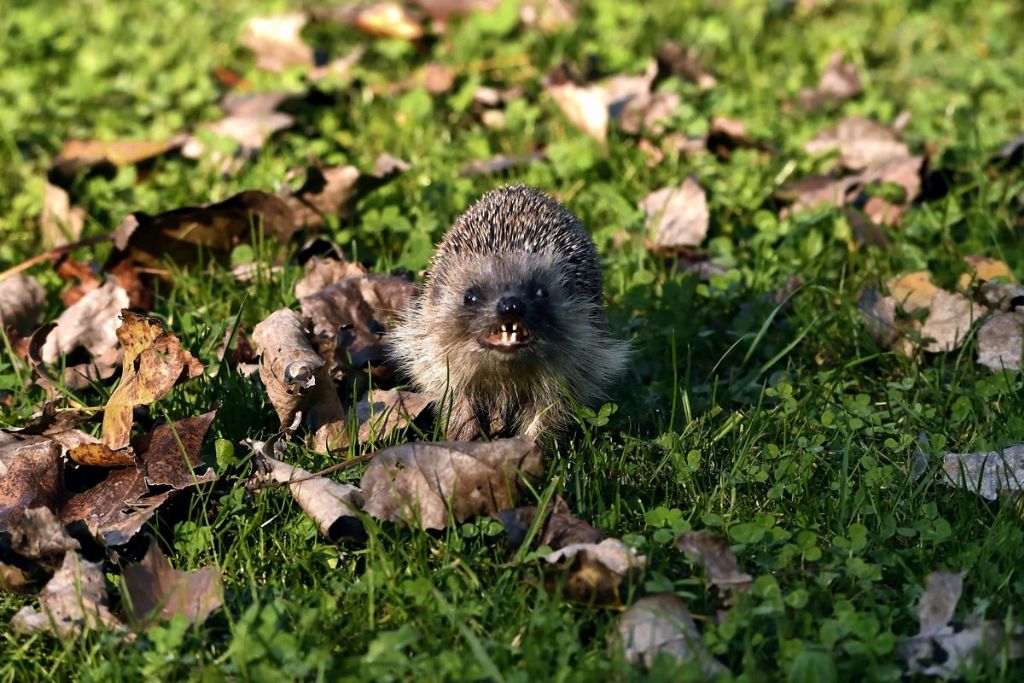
column 758, row 404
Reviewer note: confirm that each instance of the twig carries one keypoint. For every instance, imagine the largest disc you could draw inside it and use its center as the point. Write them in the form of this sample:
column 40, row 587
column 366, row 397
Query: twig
column 51, row 253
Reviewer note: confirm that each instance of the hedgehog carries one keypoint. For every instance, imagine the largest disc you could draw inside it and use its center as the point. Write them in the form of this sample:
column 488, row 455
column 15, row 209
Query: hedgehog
column 509, row 329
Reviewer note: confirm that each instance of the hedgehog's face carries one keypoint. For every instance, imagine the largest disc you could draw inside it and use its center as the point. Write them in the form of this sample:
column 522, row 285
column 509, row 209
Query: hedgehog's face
column 508, row 307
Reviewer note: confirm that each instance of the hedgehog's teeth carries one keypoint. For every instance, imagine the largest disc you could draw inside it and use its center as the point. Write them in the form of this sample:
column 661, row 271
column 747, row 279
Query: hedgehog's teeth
column 514, row 337
column 514, row 327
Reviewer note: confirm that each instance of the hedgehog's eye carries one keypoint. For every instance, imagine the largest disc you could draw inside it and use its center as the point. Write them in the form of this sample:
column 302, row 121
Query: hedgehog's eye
column 471, row 297
column 540, row 292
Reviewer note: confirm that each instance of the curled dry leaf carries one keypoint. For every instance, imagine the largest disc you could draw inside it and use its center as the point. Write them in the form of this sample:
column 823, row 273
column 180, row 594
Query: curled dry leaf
column 1000, row 341
column 382, row 412
column 839, row 82
column 558, row 529
column 861, row 143
column 154, row 363
column 34, row 547
column 98, row 454
column 333, row 506
column 713, row 553
column 591, row 107
column 22, row 303
column 77, row 155
column 334, row 191
column 60, row 223
column 388, row 20
column 91, row 323
column 159, row 591
column 168, row 462
column 277, row 41
column 987, row 473
column 595, row 570
column 940, row 648
column 297, row 379
column 677, row 216
column 184, row 234
column 661, row 624
column 73, row 601
column 29, row 476
column 421, row 483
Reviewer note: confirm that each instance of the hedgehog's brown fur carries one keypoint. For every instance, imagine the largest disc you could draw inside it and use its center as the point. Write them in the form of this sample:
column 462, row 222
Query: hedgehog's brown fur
column 517, row 245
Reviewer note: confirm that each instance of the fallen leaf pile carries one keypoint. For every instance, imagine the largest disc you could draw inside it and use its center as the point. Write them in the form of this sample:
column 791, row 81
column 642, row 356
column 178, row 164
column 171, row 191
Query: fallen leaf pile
column 918, row 316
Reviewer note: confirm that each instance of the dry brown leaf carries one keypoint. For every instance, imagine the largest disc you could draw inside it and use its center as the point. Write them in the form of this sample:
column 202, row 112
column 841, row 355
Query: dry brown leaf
column 913, row 292
column 74, row 600
column 592, row 107
column 388, row 20
column 334, row 191
column 159, row 591
column 100, row 455
column 322, row 272
column 949, row 320
column 183, row 235
column 1000, row 341
column 297, row 380
column 382, row 412
column 584, row 106
column 29, row 476
column 595, row 570
column 661, row 624
column 60, row 223
column 939, row 648
column 677, row 216
column 558, row 529
column 153, row 363
column 442, row 10
column 547, row 15
column 839, row 82
column 168, row 461
column 33, row 548
column 680, row 61
column 714, row 555
column 421, row 483
column 981, row 269
column 903, row 171
column 77, row 155
column 861, row 143
column 339, row 68
column 91, row 323
column 277, row 41
column 987, row 473
column 500, row 163
column 22, row 303
column 333, row 506
column 879, row 313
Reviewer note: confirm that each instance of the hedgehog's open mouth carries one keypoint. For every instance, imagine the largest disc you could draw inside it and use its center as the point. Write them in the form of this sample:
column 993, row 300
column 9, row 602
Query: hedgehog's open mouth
column 507, row 337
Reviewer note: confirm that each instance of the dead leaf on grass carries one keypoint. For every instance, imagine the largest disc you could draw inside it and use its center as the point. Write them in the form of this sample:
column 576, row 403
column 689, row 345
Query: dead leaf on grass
column 595, row 570
column 547, row 15
column 949, row 320
column 159, row 591
column 861, row 143
column 22, row 303
column 677, row 60
column 183, row 235
column 382, row 412
column 560, row 528
column 60, row 223
column 334, row 191
column 322, row 272
column 333, row 506
column 593, row 106
column 716, row 557
column 73, row 601
column 982, row 269
column 839, row 82
column 77, row 155
column 987, row 473
column 387, row 20
column 29, row 476
column 661, row 624
column 941, row 648
column 677, row 216
column 419, row 484
column 277, row 41
column 500, row 163
column 297, row 379
column 33, row 548
column 443, row 10
column 1000, row 341
column 153, row 363
column 168, row 462
column 91, row 323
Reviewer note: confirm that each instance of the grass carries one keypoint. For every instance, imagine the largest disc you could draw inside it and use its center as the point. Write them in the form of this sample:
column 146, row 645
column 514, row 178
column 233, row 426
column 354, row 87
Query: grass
column 785, row 429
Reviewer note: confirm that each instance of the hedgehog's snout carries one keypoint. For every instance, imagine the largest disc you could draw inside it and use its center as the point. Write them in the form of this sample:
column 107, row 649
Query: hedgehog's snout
column 511, row 332
column 509, row 307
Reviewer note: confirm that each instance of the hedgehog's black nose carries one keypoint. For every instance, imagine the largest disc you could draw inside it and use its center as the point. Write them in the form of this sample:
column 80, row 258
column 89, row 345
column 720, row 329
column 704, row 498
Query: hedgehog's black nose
column 509, row 306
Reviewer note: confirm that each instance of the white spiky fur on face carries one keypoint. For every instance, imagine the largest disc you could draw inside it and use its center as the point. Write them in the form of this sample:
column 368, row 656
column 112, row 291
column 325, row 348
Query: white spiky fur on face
column 515, row 242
